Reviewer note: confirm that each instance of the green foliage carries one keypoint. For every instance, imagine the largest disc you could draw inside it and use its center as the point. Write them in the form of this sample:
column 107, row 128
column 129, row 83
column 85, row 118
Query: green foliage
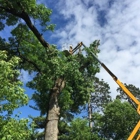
column 38, row 12
column 14, row 129
column 11, row 93
column 37, row 122
column 117, row 122
column 79, row 83
column 133, row 89
column 78, row 130
column 11, row 97
column 101, row 95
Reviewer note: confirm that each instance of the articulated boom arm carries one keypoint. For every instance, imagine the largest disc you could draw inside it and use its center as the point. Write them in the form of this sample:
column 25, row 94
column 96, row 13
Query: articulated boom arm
column 121, row 85
column 128, row 93
column 131, row 96
column 77, row 47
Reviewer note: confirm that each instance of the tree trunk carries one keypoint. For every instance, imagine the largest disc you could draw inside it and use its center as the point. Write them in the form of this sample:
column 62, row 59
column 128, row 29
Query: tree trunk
column 90, row 114
column 51, row 131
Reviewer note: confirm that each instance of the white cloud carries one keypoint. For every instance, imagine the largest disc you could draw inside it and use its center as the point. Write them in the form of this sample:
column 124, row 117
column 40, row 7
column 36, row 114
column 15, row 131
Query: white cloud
column 120, row 43
column 25, row 76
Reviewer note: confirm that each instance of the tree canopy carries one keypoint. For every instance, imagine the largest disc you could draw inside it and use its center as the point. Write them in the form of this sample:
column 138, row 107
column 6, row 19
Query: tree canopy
column 117, row 121
column 51, row 66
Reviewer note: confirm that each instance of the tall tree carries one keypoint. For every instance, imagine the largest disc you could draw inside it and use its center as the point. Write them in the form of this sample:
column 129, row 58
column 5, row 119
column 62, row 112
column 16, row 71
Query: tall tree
column 133, row 89
column 117, row 121
column 99, row 98
column 79, row 85
column 101, row 95
column 65, row 81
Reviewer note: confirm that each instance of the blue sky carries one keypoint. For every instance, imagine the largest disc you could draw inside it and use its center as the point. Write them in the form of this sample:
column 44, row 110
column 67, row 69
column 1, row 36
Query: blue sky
column 115, row 23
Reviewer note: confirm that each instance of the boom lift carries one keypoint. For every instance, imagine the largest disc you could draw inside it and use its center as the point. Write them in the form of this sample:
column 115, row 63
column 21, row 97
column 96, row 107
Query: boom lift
column 128, row 93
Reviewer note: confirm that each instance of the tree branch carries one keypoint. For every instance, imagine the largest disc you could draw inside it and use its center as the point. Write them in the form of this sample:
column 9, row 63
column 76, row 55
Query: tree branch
column 27, row 20
column 28, row 60
column 31, row 62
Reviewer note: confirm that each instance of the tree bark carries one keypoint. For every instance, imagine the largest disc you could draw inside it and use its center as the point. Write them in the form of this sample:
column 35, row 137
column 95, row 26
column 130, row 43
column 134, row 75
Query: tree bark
column 51, row 131
column 90, row 114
